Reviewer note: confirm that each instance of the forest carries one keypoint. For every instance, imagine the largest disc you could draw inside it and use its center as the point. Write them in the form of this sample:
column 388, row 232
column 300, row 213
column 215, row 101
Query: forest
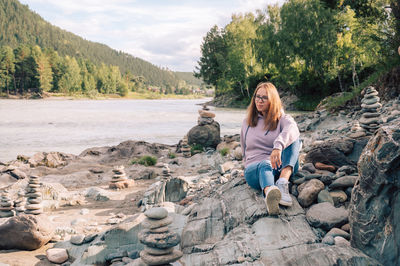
column 36, row 56
column 312, row 48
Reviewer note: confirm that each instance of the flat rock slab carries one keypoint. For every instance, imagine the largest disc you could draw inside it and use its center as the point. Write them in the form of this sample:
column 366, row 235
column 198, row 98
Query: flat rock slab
column 163, row 240
column 57, row 255
column 324, row 215
column 158, row 251
column 157, row 213
column 153, row 223
column 162, row 259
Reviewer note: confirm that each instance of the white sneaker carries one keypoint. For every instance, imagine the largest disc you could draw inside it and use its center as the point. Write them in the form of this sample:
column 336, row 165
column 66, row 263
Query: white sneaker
column 283, row 186
column 272, row 198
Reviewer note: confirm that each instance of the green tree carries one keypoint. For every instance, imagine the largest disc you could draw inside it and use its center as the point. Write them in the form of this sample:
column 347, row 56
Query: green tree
column 212, row 63
column 7, row 68
column 44, row 73
column 70, row 81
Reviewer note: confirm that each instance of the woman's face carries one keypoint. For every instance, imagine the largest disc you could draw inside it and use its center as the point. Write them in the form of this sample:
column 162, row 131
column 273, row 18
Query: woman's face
column 261, row 100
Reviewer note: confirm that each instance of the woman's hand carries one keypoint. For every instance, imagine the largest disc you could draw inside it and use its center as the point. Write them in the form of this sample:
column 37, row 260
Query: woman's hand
column 276, row 159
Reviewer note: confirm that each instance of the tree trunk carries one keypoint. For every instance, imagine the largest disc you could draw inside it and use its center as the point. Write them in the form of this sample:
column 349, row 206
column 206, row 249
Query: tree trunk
column 340, row 83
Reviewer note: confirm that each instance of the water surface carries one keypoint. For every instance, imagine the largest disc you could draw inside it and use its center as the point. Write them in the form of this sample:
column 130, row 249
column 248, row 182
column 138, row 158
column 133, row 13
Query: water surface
column 29, row 126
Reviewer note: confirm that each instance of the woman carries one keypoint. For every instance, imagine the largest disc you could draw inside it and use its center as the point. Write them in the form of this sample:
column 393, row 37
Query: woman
column 270, row 144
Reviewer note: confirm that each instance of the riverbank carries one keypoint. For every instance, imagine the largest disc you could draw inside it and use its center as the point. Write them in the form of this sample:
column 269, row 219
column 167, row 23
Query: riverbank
column 98, row 96
column 221, row 220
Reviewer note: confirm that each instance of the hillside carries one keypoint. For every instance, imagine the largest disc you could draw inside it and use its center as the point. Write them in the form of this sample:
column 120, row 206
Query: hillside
column 20, row 25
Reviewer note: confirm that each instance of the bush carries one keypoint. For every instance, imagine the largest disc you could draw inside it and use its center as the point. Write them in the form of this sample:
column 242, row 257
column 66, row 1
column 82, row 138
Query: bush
column 224, row 151
column 145, row 160
column 196, row 148
column 171, row 155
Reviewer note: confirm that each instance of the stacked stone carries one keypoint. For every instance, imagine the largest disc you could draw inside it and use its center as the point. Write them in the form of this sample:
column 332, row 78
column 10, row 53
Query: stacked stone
column 119, row 175
column 205, row 118
column 20, row 202
column 371, row 117
column 166, row 172
column 357, row 131
column 158, row 240
column 185, row 148
column 6, row 206
column 34, row 201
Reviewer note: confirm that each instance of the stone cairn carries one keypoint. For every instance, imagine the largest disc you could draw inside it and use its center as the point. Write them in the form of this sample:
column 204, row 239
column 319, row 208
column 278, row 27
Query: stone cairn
column 6, row 206
column 20, row 202
column 166, row 172
column 158, row 240
column 34, row 201
column 119, row 175
column 206, row 117
column 371, row 117
column 185, row 148
column 357, row 131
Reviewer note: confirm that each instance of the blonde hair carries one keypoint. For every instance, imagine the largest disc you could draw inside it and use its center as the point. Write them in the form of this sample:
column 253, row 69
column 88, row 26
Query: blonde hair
column 274, row 111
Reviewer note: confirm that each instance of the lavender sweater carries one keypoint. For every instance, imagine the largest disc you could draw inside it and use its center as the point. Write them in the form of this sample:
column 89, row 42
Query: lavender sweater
column 258, row 143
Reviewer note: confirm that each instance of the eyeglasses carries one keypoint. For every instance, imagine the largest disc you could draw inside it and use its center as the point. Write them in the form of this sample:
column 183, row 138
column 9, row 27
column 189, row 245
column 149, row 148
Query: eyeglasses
column 261, row 98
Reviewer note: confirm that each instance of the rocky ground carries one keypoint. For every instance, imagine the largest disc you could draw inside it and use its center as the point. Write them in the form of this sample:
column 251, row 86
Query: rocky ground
column 219, row 218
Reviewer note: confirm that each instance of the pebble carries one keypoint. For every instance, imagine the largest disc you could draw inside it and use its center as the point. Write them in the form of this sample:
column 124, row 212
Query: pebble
column 323, row 166
column 324, row 196
column 309, row 167
column 343, row 182
column 158, row 251
column 164, row 240
column 338, row 196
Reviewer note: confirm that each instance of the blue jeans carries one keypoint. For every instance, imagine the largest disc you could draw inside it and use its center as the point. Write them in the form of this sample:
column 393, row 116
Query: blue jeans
column 260, row 175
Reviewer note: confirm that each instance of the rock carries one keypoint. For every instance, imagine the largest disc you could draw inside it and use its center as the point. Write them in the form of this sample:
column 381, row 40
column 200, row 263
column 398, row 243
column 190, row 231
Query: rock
column 156, row 213
column 84, row 211
column 341, row 241
column 176, row 189
column 346, row 228
column 158, row 251
column 163, row 240
column 153, row 223
column 161, row 259
column 324, row 196
column 57, row 255
column 77, row 239
column 225, row 167
column 326, row 216
column 308, row 192
column 238, row 154
column 206, row 135
column 373, row 210
column 309, row 167
column 37, row 159
column 332, row 152
column 18, row 174
column 347, row 169
column 322, row 166
column 204, row 113
column 121, row 184
column 55, row 159
column 97, row 194
column 338, row 197
column 25, row 232
column 343, row 182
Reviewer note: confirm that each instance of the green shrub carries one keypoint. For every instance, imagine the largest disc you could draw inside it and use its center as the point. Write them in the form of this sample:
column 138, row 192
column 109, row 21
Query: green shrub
column 196, row 148
column 145, row 160
column 224, row 151
column 171, row 155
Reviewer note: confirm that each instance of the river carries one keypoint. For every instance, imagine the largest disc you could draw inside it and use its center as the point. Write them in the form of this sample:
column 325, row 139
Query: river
column 71, row 126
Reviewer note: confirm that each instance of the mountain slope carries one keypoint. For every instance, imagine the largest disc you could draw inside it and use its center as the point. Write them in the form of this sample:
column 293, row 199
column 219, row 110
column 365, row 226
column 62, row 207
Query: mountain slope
column 20, row 25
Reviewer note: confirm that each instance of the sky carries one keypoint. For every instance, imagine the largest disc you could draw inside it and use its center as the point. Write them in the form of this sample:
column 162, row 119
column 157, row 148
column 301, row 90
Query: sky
column 167, row 33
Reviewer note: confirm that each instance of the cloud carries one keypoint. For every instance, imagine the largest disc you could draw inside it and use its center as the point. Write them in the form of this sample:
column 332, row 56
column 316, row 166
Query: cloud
column 166, row 33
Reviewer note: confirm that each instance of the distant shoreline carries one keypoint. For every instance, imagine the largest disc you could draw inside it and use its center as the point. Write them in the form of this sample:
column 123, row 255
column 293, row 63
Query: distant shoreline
column 130, row 96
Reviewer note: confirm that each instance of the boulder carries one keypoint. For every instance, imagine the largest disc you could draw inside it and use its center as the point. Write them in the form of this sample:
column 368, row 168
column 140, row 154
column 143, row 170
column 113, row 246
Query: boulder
column 25, row 232
column 176, row 189
column 374, row 217
column 324, row 215
column 331, row 152
column 308, row 192
column 205, row 135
